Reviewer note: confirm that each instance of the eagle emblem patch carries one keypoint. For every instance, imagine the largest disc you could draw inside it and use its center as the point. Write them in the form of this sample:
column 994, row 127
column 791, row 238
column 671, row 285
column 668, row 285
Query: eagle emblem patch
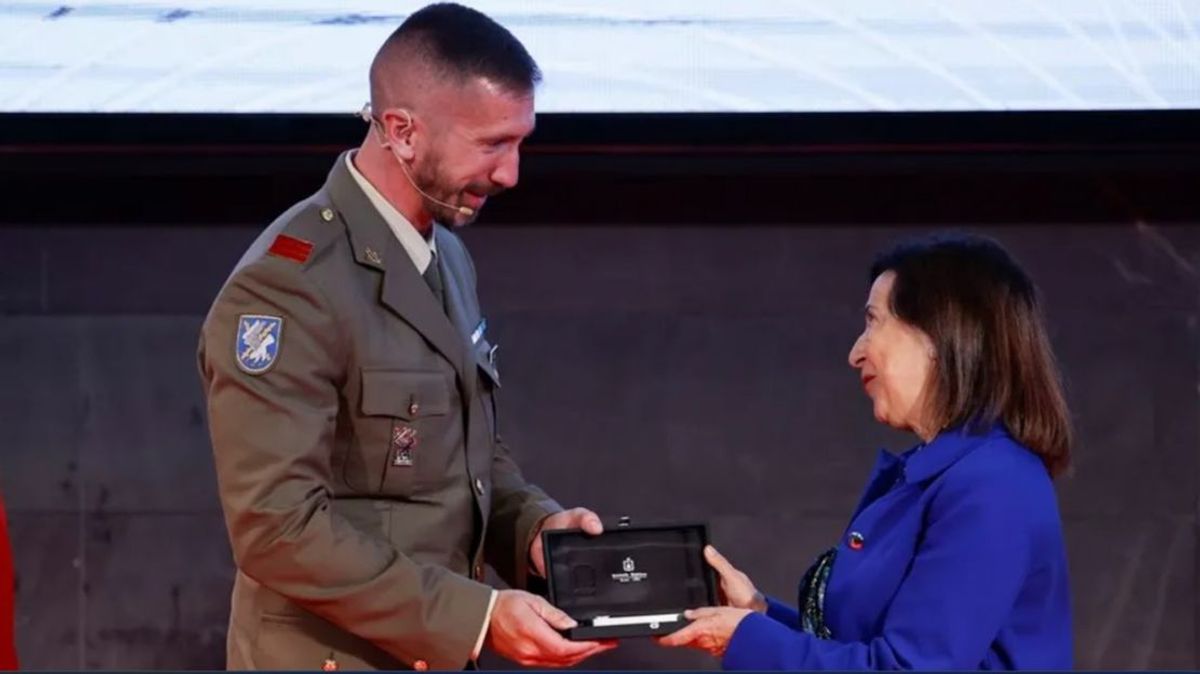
column 258, row 342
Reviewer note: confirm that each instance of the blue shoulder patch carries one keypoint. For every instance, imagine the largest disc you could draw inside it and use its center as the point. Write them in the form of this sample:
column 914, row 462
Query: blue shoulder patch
column 257, row 343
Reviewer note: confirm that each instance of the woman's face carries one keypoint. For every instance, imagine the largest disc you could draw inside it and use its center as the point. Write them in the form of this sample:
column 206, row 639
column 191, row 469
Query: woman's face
column 895, row 361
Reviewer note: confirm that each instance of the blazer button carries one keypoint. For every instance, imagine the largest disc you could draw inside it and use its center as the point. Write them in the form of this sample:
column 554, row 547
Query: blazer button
column 413, row 409
column 479, row 486
column 421, row 666
column 856, row 541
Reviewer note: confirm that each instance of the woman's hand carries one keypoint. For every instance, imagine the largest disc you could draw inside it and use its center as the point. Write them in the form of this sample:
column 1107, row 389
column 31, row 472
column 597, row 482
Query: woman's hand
column 710, row 630
column 736, row 588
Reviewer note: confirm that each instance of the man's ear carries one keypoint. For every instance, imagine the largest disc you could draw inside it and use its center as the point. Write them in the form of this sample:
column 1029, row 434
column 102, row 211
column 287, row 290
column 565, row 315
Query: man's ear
column 401, row 132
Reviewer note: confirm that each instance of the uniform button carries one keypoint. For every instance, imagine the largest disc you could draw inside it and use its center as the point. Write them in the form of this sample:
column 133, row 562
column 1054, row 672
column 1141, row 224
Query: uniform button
column 479, row 486
column 327, row 214
column 421, row 665
column 856, row 541
column 413, row 409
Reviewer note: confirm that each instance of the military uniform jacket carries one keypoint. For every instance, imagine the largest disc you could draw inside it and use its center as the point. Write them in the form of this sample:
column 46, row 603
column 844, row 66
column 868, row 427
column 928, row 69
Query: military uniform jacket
column 353, row 423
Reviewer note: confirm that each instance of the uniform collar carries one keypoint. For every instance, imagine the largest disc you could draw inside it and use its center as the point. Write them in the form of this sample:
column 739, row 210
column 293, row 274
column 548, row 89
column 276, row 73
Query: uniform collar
column 420, row 250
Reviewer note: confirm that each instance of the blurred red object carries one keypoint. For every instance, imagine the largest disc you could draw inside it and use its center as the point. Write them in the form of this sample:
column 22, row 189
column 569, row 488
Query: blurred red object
column 8, row 646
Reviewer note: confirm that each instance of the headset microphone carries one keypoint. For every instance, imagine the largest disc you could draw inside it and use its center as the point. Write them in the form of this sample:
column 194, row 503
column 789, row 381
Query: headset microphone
column 462, row 210
column 369, row 118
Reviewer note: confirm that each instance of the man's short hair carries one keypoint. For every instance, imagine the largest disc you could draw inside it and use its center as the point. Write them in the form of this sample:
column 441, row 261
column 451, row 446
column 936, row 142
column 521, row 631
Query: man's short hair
column 454, row 43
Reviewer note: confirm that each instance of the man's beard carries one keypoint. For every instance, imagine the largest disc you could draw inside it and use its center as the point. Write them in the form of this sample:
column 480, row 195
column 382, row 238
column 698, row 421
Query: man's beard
column 429, row 182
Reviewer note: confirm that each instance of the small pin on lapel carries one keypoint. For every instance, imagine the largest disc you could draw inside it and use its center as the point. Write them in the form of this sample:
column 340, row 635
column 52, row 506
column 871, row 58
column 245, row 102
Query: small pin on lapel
column 372, row 256
column 856, row 541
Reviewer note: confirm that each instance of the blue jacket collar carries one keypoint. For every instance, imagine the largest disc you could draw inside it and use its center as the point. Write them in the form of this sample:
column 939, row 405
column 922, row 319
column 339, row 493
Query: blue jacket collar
column 923, row 463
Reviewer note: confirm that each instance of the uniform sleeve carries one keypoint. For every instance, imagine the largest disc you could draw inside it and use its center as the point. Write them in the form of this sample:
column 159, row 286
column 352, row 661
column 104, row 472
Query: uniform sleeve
column 517, row 506
column 517, row 510
column 273, row 437
column 963, row 584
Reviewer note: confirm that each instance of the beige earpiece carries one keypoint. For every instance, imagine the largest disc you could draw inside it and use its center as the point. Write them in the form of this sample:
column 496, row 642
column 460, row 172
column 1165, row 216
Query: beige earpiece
column 368, row 116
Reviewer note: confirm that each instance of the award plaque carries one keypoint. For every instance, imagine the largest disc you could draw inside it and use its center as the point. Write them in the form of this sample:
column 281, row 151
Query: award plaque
column 629, row 581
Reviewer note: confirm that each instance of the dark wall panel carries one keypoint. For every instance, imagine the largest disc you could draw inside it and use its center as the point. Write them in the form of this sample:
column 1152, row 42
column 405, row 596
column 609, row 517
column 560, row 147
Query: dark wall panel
column 673, row 372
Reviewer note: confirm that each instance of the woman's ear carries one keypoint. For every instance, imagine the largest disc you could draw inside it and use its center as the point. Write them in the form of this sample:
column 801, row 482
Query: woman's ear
column 930, row 349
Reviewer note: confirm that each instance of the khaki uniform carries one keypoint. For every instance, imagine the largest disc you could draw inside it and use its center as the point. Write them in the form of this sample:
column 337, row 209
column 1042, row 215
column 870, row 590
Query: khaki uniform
column 353, row 424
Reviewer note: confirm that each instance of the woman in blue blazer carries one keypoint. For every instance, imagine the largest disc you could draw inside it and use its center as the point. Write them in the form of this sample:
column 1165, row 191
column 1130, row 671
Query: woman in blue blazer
column 954, row 557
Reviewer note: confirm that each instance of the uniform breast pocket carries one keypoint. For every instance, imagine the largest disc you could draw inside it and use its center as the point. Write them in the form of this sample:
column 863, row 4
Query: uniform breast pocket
column 407, row 430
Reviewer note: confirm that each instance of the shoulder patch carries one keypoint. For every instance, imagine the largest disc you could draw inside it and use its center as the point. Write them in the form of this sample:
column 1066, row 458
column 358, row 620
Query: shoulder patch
column 291, row 248
column 257, row 344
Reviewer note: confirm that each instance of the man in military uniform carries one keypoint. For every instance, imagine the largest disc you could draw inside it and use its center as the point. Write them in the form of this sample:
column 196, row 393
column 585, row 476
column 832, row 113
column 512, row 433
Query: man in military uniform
column 351, row 389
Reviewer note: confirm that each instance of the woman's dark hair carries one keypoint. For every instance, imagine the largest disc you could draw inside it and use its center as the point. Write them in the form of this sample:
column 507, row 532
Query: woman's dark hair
column 994, row 361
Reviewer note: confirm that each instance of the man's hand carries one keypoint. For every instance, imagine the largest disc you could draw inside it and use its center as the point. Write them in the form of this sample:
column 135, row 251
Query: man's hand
column 575, row 518
column 523, row 630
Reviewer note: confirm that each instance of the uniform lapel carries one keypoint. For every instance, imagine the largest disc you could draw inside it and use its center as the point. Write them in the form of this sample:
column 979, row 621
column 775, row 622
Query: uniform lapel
column 459, row 312
column 404, row 292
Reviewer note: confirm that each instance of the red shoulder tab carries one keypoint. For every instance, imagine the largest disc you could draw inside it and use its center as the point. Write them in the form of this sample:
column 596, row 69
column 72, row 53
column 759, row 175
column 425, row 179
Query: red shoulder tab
column 291, row 248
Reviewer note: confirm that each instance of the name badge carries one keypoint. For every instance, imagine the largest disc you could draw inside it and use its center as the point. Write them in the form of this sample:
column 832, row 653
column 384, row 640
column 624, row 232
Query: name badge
column 477, row 334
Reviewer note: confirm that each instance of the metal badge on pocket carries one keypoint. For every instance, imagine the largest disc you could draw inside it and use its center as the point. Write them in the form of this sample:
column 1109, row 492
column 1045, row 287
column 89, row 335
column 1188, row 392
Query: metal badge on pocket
column 404, row 439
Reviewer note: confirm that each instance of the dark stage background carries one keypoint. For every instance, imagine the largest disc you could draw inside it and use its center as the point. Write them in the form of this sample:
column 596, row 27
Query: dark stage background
column 675, row 298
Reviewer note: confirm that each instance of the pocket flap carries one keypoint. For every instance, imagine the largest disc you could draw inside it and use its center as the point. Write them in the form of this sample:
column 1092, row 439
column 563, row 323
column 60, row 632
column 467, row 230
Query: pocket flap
column 405, row 394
